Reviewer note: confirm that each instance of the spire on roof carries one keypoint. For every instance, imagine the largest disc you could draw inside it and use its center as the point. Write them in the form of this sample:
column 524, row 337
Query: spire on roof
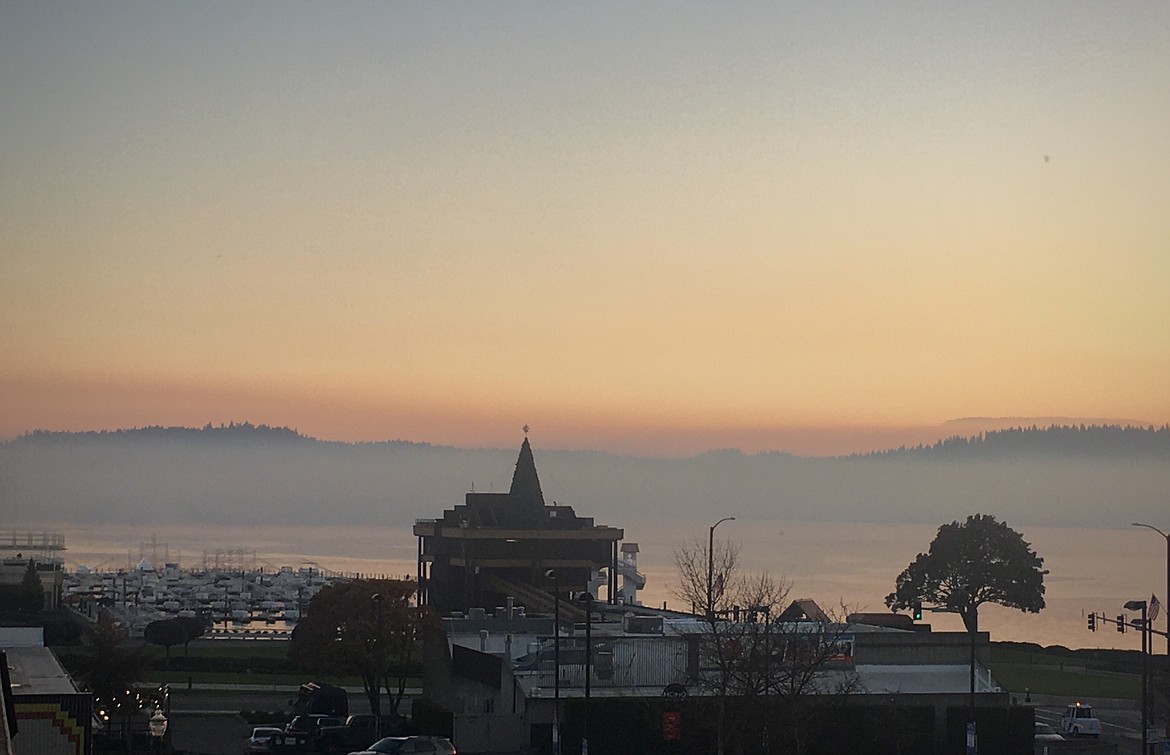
column 525, row 483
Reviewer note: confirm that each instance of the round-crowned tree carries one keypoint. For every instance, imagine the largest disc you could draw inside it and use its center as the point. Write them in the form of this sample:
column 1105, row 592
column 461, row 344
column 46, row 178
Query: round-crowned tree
column 978, row 561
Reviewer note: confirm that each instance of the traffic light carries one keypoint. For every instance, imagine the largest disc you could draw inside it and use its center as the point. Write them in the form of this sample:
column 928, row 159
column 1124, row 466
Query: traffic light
column 1092, row 622
column 917, row 608
column 1121, row 623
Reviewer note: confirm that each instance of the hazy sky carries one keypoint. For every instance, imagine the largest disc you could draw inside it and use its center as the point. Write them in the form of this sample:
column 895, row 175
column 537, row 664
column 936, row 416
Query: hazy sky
column 623, row 223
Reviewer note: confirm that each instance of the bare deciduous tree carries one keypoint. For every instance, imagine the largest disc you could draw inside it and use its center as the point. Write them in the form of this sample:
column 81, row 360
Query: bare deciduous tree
column 752, row 658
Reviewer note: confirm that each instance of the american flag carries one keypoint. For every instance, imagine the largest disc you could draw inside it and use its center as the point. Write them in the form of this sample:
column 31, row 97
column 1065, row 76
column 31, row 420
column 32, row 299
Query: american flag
column 1155, row 606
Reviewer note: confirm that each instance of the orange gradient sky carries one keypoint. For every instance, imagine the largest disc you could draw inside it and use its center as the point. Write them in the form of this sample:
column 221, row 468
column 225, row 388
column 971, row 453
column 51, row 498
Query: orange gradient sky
column 653, row 229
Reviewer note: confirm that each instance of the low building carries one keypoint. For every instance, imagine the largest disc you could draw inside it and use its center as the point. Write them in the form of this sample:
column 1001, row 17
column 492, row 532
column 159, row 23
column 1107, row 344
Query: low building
column 498, row 674
column 53, row 717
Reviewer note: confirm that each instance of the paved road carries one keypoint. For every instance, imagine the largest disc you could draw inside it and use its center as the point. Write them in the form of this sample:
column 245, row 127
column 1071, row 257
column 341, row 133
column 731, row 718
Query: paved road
column 1120, row 720
column 207, row 720
column 209, row 735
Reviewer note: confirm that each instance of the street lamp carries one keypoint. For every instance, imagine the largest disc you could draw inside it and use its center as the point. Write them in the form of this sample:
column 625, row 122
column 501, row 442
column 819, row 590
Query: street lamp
column 158, row 728
column 1165, row 597
column 556, row 734
column 1140, row 605
column 379, row 659
column 711, row 566
column 587, row 598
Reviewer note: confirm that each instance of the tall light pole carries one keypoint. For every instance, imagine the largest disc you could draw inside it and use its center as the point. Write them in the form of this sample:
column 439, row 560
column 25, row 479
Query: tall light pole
column 556, row 734
column 1140, row 605
column 379, row 658
column 1165, row 598
column 711, row 566
column 587, row 598
column 972, row 738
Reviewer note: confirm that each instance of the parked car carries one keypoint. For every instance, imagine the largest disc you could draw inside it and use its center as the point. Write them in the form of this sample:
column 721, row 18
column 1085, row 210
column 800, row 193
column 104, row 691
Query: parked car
column 291, row 743
column 402, row 745
column 260, row 738
column 310, row 723
column 1045, row 733
column 358, row 732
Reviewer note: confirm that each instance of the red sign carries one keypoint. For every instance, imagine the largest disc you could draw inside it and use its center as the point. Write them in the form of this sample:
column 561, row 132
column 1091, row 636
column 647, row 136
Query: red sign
column 672, row 726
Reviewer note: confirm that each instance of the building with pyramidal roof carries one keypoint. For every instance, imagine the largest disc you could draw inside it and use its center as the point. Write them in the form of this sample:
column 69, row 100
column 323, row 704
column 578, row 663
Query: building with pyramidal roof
column 496, row 548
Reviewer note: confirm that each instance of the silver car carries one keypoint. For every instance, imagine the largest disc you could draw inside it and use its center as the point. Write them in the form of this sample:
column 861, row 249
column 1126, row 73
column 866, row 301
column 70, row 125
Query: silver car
column 402, row 745
column 1045, row 733
column 258, row 742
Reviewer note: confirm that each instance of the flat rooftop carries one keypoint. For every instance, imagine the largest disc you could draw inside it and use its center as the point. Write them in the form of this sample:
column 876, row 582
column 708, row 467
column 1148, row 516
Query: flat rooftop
column 36, row 671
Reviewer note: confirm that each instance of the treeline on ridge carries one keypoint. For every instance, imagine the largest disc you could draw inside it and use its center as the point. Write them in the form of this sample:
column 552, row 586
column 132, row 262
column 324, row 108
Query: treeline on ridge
column 1099, row 441
column 1102, row 441
column 209, row 433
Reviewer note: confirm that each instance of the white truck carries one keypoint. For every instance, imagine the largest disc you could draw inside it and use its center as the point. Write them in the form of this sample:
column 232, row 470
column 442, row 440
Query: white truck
column 1078, row 721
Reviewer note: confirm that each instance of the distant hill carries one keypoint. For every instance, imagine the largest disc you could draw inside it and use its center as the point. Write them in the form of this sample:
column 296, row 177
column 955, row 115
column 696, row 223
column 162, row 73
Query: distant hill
column 244, row 431
column 1092, row 476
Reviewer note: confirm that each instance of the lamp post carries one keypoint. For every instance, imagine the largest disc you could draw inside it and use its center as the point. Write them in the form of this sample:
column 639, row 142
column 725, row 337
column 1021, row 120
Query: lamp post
column 1165, row 597
column 556, row 734
column 587, row 598
column 379, row 659
column 1140, row 605
column 158, row 728
column 711, row 566
column 972, row 736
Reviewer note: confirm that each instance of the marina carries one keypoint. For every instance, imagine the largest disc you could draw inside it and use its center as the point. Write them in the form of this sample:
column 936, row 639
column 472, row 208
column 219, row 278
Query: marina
column 258, row 603
column 233, row 593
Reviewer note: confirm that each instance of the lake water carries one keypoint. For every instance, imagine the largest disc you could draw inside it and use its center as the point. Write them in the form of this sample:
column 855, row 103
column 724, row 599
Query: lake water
column 849, row 563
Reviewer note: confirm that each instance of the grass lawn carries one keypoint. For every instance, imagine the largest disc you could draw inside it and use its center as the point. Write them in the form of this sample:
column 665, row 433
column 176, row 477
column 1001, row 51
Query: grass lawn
column 1047, row 680
column 1058, row 671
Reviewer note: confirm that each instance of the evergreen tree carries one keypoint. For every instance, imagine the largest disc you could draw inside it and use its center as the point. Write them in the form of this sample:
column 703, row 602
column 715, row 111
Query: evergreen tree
column 31, row 595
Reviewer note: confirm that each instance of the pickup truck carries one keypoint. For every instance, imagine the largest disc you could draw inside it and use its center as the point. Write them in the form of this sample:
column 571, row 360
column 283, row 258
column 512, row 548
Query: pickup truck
column 1078, row 721
column 358, row 733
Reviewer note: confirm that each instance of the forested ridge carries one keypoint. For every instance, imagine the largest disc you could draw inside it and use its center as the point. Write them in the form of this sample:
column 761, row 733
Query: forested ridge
column 1105, row 441
column 209, row 433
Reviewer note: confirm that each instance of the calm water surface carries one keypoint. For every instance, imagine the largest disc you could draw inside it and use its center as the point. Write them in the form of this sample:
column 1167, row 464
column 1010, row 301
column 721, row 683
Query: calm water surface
column 848, row 563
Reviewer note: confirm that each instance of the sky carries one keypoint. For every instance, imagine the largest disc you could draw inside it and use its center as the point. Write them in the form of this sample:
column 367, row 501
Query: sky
column 646, row 227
